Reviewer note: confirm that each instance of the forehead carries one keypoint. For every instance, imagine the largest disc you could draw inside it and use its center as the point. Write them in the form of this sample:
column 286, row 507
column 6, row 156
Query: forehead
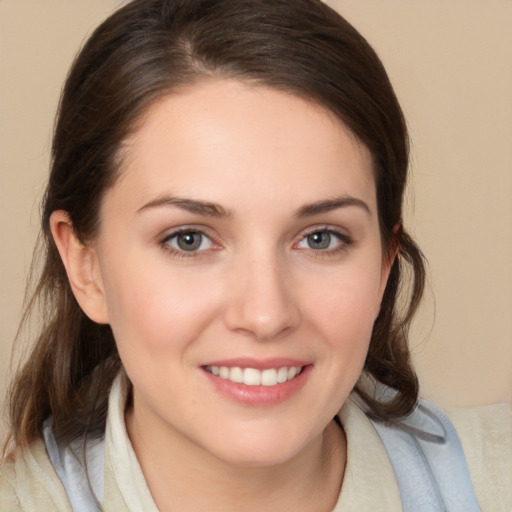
column 219, row 137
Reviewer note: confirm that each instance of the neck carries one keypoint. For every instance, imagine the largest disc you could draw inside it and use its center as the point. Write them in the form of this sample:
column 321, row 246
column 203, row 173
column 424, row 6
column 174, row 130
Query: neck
column 175, row 470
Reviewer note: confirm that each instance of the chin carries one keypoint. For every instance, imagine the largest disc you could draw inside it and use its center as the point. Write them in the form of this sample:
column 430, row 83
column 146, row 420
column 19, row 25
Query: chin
column 263, row 449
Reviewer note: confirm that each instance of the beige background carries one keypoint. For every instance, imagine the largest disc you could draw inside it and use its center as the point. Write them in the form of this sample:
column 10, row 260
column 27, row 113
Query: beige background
column 451, row 64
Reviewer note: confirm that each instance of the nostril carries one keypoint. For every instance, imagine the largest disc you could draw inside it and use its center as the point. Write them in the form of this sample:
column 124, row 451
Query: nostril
column 260, row 303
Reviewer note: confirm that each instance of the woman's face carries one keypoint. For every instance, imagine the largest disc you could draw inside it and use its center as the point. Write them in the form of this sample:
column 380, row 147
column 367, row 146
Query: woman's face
column 240, row 246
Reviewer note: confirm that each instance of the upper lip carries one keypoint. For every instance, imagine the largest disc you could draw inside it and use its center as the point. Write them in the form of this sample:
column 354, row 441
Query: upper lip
column 259, row 364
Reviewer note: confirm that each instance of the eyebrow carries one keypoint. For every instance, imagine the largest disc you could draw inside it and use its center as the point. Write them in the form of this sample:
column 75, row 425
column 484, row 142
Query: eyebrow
column 328, row 205
column 209, row 209
column 205, row 208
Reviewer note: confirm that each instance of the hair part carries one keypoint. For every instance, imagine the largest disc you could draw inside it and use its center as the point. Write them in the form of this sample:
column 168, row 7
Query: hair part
column 152, row 48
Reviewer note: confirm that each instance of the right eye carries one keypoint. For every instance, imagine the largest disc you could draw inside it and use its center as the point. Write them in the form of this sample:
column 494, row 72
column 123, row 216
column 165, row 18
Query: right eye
column 188, row 241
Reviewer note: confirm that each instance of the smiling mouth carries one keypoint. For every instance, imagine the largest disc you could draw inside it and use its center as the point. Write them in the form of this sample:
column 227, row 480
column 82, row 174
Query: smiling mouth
column 255, row 377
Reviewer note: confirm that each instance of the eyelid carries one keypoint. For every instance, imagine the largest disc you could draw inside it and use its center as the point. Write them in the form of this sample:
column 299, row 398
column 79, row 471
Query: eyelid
column 202, row 239
column 345, row 239
column 342, row 233
column 163, row 241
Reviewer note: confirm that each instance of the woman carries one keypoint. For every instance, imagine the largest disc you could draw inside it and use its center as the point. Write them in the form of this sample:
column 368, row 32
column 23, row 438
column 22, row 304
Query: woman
column 224, row 256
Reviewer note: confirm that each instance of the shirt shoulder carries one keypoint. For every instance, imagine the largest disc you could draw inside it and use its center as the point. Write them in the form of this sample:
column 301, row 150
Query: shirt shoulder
column 8, row 496
column 28, row 482
column 428, row 460
column 486, row 436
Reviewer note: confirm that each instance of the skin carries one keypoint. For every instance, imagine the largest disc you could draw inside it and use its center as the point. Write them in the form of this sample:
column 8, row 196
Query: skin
column 257, row 288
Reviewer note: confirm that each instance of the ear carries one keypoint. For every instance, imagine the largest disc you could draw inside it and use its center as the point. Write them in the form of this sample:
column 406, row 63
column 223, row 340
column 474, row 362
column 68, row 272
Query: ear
column 82, row 267
column 388, row 258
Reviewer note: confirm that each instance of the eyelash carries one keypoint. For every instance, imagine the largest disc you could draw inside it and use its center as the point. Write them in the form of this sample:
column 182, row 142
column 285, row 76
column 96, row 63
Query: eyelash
column 345, row 242
column 182, row 253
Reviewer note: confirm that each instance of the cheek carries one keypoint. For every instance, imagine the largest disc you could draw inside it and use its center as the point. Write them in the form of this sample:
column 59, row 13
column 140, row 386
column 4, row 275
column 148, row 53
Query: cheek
column 347, row 301
column 344, row 315
column 152, row 309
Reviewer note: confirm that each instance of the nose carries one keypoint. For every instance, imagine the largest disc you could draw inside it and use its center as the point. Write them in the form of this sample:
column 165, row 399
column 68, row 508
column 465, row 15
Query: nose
column 262, row 300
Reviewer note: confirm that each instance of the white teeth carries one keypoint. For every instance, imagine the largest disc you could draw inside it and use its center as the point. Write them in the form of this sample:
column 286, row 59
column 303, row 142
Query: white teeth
column 282, row 375
column 292, row 372
column 269, row 377
column 254, row 377
column 236, row 374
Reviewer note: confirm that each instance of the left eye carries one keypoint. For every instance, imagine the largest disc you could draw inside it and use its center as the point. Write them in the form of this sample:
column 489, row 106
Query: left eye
column 189, row 241
column 320, row 240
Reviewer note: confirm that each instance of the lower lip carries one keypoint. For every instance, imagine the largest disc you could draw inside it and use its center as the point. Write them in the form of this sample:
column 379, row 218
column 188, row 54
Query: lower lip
column 260, row 396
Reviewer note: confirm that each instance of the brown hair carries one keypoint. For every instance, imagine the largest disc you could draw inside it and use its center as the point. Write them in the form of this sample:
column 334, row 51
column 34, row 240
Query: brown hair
column 145, row 50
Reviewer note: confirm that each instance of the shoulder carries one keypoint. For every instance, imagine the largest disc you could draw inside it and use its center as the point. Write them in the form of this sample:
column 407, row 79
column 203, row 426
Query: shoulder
column 28, row 482
column 8, row 494
column 428, row 460
column 486, row 436
column 461, row 458
column 79, row 465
